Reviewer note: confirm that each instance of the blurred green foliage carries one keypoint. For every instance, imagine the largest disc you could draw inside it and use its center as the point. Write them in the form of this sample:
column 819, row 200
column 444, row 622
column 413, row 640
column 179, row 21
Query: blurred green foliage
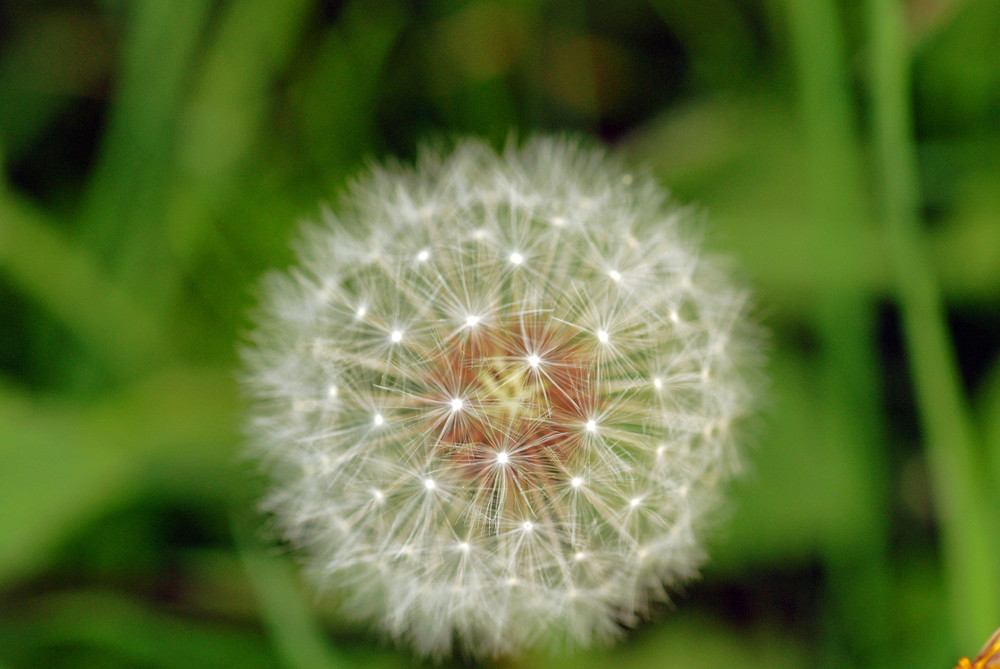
column 157, row 157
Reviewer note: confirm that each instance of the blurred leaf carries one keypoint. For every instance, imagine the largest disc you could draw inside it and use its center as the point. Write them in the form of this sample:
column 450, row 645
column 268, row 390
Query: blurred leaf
column 988, row 406
column 252, row 44
column 799, row 494
column 963, row 506
column 690, row 642
column 337, row 96
column 293, row 628
column 50, row 481
column 742, row 159
column 121, row 211
column 715, row 36
column 127, row 627
column 66, row 281
column 848, row 418
column 62, row 464
column 966, row 246
column 36, row 83
column 956, row 71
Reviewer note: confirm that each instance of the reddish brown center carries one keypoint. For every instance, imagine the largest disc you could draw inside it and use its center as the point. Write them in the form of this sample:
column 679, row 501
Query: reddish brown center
column 526, row 395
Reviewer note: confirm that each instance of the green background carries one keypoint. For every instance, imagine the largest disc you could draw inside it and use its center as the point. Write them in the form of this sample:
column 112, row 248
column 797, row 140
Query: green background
column 158, row 156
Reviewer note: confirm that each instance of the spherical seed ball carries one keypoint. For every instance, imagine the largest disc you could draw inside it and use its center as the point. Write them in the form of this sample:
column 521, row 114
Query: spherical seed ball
column 496, row 397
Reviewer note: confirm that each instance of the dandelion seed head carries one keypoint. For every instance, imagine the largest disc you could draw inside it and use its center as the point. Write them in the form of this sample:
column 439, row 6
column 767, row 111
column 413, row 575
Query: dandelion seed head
column 467, row 410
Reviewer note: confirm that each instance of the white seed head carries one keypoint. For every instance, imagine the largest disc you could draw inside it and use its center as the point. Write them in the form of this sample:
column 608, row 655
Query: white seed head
column 554, row 422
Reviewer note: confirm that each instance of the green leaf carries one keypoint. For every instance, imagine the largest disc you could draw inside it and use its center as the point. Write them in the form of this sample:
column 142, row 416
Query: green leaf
column 62, row 464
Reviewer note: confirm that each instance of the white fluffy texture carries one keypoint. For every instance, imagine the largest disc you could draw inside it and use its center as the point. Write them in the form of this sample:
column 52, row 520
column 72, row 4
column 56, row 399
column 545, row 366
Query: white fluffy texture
column 496, row 397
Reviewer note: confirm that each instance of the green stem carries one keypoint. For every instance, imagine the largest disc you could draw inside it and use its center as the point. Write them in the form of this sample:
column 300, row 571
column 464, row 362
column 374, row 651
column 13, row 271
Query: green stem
column 989, row 412
column 294, row 630
column 845, row 322
column 969, row 552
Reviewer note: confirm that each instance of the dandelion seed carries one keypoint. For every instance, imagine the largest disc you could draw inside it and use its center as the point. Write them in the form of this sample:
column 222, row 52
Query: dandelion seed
column 514, row 439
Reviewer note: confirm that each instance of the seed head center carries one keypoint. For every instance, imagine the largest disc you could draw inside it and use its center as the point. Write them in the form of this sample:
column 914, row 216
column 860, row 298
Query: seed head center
column 517, row 397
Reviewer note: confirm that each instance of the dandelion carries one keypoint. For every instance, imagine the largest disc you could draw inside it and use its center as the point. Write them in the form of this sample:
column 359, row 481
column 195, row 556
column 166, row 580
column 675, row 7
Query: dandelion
column 496, row 397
